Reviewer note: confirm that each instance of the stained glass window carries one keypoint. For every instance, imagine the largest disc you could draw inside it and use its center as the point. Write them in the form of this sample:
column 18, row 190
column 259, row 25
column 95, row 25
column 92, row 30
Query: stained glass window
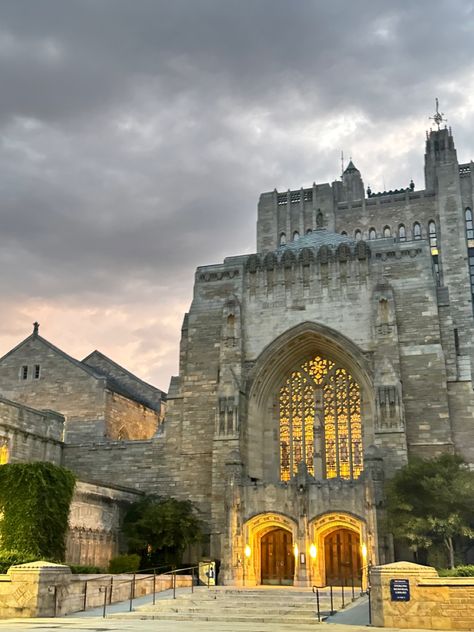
column 4, row 452
column 320, row 422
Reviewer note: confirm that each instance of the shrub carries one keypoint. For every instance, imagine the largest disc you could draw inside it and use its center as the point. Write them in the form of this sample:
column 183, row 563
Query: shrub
column 77, row 569
column 125, row 564
column 458, row 571
column 12, row 558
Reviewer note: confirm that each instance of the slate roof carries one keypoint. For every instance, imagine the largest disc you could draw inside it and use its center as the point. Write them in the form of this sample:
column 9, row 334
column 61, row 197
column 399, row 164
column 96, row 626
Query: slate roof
column 316, row 239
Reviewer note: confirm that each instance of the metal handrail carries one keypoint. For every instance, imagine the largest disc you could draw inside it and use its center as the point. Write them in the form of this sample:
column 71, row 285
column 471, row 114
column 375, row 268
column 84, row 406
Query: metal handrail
column 133, row 581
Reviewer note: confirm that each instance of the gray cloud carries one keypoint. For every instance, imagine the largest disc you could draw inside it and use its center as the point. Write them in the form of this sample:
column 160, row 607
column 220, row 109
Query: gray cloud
column 135, row 139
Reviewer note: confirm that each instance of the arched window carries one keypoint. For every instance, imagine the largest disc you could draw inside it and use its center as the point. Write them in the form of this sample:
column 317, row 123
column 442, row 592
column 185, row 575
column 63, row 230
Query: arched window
column 344, row 233
column 387, row 231
column 296, row 235
column 372, row 233
column 309, row 230
column 358, row 235
column 416, row 231
column 282, row 239
column 469, row 226
column 320, row 422
column 402, row 235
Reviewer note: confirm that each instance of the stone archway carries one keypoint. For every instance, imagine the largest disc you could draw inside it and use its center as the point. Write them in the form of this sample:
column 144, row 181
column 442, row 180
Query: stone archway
column 340, row 549
column 266, row 535
column 287, row 354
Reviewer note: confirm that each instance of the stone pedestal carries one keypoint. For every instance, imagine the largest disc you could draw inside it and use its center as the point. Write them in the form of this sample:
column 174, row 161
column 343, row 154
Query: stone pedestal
column 35, row 589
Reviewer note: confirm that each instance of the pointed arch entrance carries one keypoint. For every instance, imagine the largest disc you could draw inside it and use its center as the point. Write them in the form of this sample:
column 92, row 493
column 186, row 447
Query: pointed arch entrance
column 340, row 541
column 269, row 550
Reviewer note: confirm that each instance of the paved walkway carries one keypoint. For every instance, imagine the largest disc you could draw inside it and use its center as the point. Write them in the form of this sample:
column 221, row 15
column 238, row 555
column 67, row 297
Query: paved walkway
column 93, row 624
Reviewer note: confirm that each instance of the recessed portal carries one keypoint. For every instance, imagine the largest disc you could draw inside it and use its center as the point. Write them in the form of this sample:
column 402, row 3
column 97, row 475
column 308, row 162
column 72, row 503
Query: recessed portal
column 277, row 557
column 342, row 557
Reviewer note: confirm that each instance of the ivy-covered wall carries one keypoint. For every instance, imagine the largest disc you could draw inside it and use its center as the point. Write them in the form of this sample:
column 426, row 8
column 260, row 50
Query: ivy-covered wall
column 34, row 500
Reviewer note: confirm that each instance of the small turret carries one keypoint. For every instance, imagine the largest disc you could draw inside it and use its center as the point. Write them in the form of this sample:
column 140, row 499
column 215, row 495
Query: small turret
column 352, row 183
column 440, row 150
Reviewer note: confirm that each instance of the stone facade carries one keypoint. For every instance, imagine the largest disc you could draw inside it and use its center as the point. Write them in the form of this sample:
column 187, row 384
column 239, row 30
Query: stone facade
column 309, row 371
column 378, row 285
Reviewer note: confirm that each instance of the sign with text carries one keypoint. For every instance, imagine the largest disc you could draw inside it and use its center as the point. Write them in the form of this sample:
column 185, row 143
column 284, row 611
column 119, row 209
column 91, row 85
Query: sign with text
column 400, row 589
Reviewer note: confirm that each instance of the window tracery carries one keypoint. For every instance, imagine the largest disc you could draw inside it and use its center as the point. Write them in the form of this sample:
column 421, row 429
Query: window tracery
column 320, row 422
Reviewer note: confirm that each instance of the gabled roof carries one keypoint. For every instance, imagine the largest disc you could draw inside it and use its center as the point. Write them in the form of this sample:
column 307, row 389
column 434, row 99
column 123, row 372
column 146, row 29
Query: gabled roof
column 119, row 385
column 110, row 382
column 101, row 355
column 46, row 343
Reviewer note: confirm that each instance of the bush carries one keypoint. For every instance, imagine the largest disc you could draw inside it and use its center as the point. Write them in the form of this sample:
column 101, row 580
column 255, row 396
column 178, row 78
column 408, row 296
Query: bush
column 12, row 558
column 77, row 569
column 458, row 571
column 125, row 564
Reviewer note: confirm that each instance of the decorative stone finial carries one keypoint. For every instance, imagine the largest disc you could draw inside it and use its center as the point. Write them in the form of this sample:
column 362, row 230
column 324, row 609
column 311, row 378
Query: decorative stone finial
column 412, row 185
column 35, row 328
column 438, row 116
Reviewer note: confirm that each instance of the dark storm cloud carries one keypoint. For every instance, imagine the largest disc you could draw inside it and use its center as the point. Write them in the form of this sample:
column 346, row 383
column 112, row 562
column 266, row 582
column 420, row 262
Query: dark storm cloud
column 135, row 137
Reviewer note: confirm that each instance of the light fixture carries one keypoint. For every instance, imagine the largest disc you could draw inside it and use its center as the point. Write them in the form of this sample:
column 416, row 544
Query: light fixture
column 364, row 551
column 295, row 549
column 247, row 551
column 313, row 551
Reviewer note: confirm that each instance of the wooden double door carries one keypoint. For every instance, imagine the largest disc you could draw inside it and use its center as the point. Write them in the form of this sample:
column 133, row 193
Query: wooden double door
column 278, row 560
column 342, row 557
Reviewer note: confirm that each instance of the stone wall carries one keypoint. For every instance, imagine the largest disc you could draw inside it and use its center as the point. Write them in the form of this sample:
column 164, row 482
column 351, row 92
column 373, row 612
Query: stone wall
column 43, row 589
column 435, row 603
column 94, row 523
column 128, row 419
column 29, row 434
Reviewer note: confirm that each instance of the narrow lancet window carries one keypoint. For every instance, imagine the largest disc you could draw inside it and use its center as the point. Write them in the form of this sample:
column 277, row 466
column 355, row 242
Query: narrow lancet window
column 402, row 235
column 416, row 231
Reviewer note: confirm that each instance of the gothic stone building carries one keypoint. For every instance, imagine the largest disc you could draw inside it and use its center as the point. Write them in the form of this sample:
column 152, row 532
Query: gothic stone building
column 310, row 371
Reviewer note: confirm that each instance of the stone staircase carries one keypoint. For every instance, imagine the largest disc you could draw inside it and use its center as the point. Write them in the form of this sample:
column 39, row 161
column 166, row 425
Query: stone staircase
column 263, row 604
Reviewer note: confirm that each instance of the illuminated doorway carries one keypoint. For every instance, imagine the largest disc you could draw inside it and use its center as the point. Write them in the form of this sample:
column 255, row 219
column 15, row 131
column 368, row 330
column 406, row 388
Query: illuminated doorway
column 277, row 558
column 342, row 557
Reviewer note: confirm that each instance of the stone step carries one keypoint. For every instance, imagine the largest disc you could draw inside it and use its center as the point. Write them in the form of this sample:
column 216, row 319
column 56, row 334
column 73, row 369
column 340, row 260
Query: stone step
column 245, row 618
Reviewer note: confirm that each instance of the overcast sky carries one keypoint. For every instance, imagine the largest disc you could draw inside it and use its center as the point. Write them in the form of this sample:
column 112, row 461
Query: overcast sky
column 136, row 137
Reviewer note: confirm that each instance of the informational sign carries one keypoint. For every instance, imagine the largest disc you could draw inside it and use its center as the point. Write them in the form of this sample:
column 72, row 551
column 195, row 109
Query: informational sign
column 400, row 589
column 207, row 573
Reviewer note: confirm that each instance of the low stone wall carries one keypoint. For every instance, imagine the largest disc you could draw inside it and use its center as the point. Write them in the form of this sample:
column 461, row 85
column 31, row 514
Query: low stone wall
column 88, row 591
column 42, row 589
column 406, row 595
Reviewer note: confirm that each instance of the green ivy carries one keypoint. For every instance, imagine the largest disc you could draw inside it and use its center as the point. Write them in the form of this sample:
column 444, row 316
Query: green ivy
column 34, row 501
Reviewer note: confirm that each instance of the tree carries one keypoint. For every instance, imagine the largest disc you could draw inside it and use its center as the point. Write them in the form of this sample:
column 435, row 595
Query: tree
column 160, row 529
column 34, row 502
column 432, row 501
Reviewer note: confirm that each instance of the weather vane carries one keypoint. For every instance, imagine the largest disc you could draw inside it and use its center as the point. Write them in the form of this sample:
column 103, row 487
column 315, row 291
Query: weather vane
column 438, row 117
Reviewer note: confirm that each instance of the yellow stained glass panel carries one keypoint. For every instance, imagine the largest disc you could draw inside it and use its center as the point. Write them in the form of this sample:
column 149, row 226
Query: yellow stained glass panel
column 340, row 437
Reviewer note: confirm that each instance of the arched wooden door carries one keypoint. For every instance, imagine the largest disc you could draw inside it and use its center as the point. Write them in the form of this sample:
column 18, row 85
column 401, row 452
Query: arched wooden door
column 342, row 557
column 278, row 561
